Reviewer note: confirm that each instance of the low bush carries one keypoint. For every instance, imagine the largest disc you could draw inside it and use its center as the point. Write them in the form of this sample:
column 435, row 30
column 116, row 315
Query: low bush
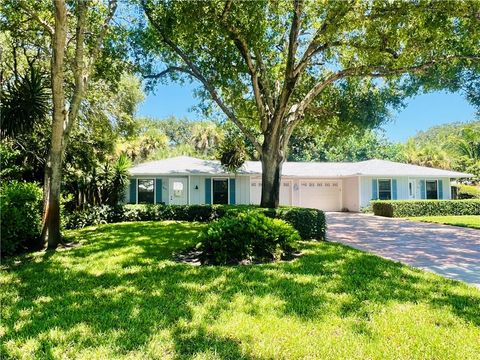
column 21, row 214
column 310, row 223
column 409, row 208
column 468, row 192
column 246, row 236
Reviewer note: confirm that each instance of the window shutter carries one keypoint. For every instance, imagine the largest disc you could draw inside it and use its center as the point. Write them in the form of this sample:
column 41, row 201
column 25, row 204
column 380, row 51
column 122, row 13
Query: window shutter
column 394, row 189
column 440, row 189
column 158, row 190
column 374, row 189
column 232, row 191
column 133, row 191
column 208, row 191
column 422, row 189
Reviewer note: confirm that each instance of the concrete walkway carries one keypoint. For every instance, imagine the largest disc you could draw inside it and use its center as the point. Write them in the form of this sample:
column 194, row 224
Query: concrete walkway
column 451, row 251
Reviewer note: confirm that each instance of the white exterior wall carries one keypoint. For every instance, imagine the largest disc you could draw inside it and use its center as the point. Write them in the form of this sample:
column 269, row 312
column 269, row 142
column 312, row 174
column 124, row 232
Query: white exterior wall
column 402, row 187
column 242, row 190
column 350, row 192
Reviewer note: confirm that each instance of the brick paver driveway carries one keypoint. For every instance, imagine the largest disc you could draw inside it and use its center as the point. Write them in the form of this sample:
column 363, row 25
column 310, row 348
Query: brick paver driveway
column 451, row 251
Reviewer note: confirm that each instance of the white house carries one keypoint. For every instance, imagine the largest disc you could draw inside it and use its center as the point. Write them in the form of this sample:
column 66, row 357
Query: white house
column 326, row 186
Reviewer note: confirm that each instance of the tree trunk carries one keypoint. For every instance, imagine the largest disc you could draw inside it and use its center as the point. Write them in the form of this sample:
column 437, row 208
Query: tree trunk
column 272, row 162
column 53, row 171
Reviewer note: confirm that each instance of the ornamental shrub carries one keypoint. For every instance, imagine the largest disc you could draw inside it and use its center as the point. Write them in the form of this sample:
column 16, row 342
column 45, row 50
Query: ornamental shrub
column 21, row 214
column 408, row 208
column 310, row 223
column 246, row 236
column 468, row 192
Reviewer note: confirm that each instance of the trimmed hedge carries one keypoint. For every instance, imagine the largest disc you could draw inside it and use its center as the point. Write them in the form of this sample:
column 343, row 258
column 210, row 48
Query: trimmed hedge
column 246, row 236
column 310, row 223
column 21, row 214
column 408, row 208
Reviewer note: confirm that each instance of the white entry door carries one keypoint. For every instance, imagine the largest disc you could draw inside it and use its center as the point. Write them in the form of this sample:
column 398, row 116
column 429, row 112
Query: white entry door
column 178, row 191
column 321, row 194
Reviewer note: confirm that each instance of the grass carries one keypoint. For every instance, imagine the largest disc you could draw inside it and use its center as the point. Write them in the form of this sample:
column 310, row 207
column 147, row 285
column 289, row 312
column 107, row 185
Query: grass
column 471, row 221
column 118, row 295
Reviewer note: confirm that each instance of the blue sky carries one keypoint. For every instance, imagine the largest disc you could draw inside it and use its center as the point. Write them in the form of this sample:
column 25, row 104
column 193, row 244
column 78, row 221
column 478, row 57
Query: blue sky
column 421, row 113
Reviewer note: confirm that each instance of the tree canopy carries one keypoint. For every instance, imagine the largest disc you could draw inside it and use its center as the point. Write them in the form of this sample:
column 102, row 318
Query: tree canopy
column 271, row 66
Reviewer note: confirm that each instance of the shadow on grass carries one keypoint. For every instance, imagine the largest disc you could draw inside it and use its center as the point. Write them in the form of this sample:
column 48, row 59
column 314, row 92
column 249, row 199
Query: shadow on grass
column 121, row 288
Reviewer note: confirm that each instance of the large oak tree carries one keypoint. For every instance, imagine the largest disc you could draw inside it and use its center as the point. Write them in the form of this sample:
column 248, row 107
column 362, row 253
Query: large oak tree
column 271, row 66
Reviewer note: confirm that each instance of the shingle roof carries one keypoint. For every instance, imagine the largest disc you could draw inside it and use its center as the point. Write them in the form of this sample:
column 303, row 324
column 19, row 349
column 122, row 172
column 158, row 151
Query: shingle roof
column 185, row 165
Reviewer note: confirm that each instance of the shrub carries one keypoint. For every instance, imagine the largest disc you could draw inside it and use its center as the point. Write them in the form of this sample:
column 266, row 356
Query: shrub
column 468, row 192
column 21, row 214
column 246, row 236
column 407, row 208
column 310, row 223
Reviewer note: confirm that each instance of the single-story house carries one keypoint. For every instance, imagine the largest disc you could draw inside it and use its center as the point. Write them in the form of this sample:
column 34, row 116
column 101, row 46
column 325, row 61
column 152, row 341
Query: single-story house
column 327, row 186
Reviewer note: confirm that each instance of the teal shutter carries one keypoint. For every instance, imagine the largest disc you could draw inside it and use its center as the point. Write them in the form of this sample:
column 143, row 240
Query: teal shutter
column 374, row 189
column 394, row 189
column 133, row 190
column 208, row 191
column 158, row 190
column 422, row 189
column 440, row 189
column 232, row 191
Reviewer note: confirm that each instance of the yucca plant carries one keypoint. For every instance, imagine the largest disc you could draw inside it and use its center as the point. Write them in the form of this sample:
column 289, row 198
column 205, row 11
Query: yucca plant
column 24, row 103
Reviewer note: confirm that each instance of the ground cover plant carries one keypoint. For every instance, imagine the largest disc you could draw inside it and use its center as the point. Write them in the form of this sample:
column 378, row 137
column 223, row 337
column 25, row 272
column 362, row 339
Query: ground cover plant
column 119, row 295
column 464, row 221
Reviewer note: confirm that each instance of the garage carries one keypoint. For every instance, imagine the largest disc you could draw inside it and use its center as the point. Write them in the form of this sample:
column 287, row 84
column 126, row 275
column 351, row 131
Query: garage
column 325, row 195
column 313, row 193
column 285, row 192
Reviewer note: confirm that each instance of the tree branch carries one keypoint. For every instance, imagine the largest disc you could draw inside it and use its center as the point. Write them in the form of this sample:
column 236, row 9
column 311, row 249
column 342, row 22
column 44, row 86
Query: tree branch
column 244, row 50
column 112, row 8
column 197, row 74
column 37, row 18
column 290, row 78
column 297, row 110
column 169, row 70
column 78, row 69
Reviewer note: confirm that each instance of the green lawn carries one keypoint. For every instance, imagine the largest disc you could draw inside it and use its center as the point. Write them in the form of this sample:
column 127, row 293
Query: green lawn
column 118, row 295
column 471, row 221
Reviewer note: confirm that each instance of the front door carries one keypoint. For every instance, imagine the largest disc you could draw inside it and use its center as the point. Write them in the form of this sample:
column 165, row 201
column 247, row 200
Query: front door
column 178, row 191
column 412, row 189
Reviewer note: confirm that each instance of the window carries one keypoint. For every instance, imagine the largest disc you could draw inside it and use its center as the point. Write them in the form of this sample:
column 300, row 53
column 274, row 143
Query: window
column 146, row 193
column 432, row 189
column 385, row 189
column 220, row 191
column 177, row 189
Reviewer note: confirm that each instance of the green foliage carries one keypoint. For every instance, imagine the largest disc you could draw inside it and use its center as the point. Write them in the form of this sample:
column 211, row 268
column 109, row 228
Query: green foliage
column 246, row 236
column 409, row 208
column 453, row 146
column 21, row 213
column 310, row 223
column 468, row 192
column 233, row 154
column 24, row 103
column 311, row 143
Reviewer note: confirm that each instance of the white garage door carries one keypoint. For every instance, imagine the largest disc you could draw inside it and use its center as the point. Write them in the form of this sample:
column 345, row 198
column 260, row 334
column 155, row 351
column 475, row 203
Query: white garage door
column 285, row 192
column 321, row 194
